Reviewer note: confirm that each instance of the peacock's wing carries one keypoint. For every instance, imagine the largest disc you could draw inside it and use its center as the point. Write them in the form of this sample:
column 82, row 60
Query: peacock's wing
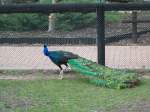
column 104, row 76
column 59, row 57
column 67, row 55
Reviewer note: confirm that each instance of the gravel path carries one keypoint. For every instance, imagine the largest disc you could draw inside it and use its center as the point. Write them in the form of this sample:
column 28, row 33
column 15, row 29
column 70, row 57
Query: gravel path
column 31, row 57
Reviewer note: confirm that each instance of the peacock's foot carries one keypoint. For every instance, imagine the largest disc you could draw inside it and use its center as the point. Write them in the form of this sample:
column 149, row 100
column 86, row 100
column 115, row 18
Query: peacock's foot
column 61, row 75
column 67, row 69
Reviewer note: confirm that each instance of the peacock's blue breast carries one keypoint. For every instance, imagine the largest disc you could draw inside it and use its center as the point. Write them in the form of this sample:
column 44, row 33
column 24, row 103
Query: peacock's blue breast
column 55, row 57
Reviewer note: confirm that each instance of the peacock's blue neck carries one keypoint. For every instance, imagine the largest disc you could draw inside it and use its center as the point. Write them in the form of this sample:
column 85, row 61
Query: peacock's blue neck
column 45, row 51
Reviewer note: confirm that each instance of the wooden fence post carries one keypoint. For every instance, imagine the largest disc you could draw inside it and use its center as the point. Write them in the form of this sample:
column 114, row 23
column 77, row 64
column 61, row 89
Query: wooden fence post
column 101, row 34
column 134, row 26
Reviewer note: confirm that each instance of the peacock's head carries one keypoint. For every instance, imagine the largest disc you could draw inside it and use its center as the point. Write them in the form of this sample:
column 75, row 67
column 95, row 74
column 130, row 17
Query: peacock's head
column 45, row 45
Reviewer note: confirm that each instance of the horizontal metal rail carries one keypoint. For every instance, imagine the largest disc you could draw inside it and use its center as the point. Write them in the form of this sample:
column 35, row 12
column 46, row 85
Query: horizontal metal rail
column 48, row 40
column 59, row 8
column 123, row 36
column 127, row 6
column 44, row 8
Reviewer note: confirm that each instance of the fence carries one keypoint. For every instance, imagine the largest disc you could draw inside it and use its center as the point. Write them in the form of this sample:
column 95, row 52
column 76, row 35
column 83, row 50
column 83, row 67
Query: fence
column 99, row 9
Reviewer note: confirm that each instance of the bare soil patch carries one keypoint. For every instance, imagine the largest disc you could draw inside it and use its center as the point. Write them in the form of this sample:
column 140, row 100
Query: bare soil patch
column 50, row 74
column 34, row 74
column 139, row 106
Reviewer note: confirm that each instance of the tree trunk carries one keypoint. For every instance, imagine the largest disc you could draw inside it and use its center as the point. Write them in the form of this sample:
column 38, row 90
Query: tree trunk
column 51, row 26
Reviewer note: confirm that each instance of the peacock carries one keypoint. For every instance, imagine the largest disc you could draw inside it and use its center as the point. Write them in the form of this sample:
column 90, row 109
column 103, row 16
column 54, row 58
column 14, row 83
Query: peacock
column 59, row 58
column 97, row 74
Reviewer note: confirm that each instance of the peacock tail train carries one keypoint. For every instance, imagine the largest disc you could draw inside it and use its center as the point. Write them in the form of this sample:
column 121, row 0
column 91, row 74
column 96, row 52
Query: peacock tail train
column 104, row 76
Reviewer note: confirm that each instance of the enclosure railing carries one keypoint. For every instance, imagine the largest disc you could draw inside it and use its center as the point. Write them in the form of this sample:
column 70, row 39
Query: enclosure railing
column 86, row 8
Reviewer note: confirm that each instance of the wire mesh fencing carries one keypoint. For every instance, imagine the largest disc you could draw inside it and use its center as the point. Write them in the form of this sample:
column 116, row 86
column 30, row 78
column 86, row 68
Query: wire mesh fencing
column 128, row 25
column 22, row 36
column 22, row 43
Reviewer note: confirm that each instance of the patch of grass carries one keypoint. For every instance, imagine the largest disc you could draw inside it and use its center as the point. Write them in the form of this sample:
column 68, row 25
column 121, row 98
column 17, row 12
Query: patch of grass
column 27, row 72
column 66, row 95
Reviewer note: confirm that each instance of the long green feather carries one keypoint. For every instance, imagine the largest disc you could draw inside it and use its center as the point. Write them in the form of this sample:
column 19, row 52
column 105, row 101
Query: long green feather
column 104, row 76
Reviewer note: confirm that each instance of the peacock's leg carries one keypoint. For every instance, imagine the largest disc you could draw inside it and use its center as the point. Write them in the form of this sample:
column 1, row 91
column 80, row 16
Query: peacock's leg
column 67, row 67
column 61, row 73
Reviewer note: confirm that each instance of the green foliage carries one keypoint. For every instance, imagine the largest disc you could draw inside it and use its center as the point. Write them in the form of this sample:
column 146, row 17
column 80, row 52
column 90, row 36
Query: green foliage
column 45, row 1
column 119, row 0
column 65, row 21
column 71, row 21
column 24, row 1
column 77, row 1
column 125, row 1
column 22, row 22
column 113, row 17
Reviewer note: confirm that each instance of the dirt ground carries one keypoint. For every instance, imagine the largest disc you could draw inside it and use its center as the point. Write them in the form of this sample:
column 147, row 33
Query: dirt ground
column 51, row 74
column 142, row 106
